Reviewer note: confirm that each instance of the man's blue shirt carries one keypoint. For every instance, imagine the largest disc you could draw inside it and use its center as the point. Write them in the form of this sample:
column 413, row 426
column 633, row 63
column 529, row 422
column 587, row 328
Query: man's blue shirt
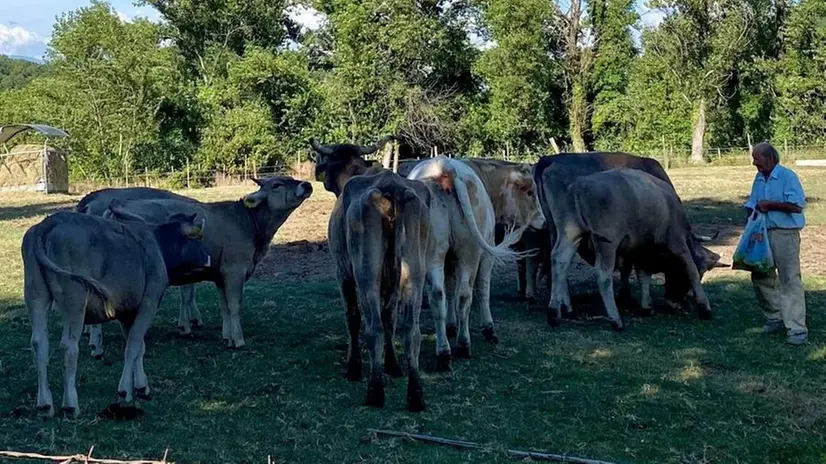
column 784, row 186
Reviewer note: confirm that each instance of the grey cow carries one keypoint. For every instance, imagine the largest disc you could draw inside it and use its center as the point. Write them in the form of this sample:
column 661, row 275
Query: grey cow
column 96, row 203
column 96, row 270
column 623, row 214
column 238, row 236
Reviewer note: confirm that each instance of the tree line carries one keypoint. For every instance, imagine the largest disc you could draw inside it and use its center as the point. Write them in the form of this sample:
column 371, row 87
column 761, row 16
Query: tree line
column 222, row 83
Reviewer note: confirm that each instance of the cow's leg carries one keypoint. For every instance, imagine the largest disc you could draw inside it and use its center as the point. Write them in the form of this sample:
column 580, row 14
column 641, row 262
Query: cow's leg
column 521, row 278
column 72, row 303
column 234, row 294
column 481, row 294
column 624, row 299
column 645, row 292
column 450, row 300
column 388, row 320
column 222, row 305
column 38, row 306
column 438, row 306
column 606, row 254
column 561, row 256
column 368, row 296
column 189, row 317
column 96, row 340
column 700, row 298
column 465, row 274
column 348, row 296
column 531, row 269
column 133, row 376
column 412, row 336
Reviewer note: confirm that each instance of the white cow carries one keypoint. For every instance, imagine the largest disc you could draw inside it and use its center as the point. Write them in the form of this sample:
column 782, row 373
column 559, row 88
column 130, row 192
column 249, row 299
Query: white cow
column 463, row 223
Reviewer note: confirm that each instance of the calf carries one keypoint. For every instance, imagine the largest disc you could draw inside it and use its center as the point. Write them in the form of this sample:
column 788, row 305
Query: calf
column 96, row 203
column 239, row 236
column 624, row 213
column 95, row 270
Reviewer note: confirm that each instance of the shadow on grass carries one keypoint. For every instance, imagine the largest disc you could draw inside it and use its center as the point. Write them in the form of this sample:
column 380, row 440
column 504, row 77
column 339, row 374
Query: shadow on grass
column 8, row 213
column 651, row 394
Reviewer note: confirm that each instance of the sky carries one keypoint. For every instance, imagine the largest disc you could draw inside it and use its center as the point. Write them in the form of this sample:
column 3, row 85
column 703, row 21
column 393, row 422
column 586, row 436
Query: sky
column 26, row 25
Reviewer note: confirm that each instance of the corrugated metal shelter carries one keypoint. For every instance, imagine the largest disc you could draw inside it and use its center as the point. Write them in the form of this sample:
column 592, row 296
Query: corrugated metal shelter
column 33, row 167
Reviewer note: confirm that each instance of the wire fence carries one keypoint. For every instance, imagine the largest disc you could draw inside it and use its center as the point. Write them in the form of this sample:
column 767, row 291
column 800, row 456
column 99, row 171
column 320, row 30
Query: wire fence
column 189, row 177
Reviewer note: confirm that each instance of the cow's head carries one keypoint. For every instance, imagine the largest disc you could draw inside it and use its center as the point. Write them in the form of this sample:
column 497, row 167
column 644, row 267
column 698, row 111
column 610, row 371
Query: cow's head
column 180, row 242
column 337, row 163
column 522, row 202
column 278, row 194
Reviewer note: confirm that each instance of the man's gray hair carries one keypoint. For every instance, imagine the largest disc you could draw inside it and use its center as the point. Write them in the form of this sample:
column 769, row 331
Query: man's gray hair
column 766, row 149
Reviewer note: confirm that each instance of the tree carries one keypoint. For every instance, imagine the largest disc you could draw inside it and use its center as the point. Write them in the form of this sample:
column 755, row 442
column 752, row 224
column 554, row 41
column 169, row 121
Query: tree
column 699, row 43
column 16, row 73
column 614, row 54
column 801, row 102
column 523, row 92
column 388, row 55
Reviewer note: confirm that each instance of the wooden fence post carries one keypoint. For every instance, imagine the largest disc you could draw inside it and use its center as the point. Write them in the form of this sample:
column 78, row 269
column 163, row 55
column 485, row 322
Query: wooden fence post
column 188, row 185
column 146, row 176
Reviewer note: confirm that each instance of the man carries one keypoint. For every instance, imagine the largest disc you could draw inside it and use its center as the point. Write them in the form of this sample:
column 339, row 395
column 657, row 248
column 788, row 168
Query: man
column 777, row 192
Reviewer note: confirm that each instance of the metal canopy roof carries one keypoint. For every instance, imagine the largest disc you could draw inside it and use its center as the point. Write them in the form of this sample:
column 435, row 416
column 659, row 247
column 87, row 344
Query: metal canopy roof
column 10, row 131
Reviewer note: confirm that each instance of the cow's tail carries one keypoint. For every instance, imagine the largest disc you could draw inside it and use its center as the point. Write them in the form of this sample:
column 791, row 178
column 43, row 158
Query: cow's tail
column 93, row 286
column 499, row 252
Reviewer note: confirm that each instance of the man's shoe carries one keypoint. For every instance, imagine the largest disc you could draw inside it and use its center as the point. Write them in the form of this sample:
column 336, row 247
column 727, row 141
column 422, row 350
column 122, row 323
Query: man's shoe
column 797, row 339
column 773, row 326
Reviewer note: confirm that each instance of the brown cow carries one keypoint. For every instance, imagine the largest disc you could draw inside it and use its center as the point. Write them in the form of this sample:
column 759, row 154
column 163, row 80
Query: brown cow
column 379, row 234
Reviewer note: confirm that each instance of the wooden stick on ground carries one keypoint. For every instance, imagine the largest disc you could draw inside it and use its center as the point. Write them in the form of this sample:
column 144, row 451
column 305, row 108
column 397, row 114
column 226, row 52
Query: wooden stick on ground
column 84, row 458
column 517, row 454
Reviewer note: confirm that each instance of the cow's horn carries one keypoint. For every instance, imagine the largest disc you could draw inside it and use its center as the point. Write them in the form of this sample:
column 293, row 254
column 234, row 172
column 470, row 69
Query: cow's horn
column 375, row 147
column 706, row 238
column 324, row 150
column 719, row 264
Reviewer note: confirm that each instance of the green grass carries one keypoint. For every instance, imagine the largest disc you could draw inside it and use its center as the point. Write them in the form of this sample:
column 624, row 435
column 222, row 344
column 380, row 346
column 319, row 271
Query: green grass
column 671, row 389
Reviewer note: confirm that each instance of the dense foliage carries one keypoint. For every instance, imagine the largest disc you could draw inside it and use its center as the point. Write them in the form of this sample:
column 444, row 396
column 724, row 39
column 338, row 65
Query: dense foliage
column 220, row 84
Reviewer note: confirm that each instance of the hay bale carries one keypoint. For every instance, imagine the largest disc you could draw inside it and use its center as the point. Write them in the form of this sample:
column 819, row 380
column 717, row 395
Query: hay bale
column 33, row 168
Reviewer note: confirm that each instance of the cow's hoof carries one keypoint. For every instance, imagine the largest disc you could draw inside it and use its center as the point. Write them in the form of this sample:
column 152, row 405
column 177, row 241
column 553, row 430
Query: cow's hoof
column 98, row 357
column 46, row 410
column 443, row 362
column 415, row 400
column 393, row 369
column 143, row 394
column 122, row 395
column 196, row 324
column 647, row 312
column 704, row 314
column 70, row 412
column 451, row 331
column 490, row 335
column 463, row 351
column 553, row 319
column 354, row 372
column 185, row 332
column 375, row 393
column 617, row 326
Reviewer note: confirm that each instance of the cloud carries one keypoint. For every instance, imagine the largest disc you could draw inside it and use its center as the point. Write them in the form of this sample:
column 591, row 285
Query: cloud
column 306, row 17
column 652, row 17
column 15, row 40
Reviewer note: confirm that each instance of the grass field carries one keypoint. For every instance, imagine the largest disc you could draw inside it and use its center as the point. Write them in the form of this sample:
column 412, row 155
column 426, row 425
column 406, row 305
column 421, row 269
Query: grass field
column 671, row 389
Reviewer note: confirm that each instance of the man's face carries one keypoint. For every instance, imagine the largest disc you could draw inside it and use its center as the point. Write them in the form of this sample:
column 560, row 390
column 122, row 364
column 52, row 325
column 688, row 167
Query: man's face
column 762, row 163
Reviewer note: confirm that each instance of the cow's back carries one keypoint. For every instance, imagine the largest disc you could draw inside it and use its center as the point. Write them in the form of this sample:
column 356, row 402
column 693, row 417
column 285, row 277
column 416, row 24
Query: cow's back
column 96, row 203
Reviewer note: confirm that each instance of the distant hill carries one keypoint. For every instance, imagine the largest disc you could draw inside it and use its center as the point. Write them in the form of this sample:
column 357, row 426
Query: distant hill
column 17, row 72
column 25, row 58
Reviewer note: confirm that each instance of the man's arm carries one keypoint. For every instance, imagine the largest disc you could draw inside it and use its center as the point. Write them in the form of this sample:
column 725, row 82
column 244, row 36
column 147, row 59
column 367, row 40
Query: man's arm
column 767, row 205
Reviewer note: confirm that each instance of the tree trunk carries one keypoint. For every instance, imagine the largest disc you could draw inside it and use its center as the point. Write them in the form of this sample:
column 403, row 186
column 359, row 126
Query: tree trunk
column 578, row 114
column 699, row 134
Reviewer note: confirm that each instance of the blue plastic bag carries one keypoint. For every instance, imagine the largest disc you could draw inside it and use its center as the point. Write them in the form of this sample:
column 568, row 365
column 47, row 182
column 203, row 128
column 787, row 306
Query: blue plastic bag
column 753, row 253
